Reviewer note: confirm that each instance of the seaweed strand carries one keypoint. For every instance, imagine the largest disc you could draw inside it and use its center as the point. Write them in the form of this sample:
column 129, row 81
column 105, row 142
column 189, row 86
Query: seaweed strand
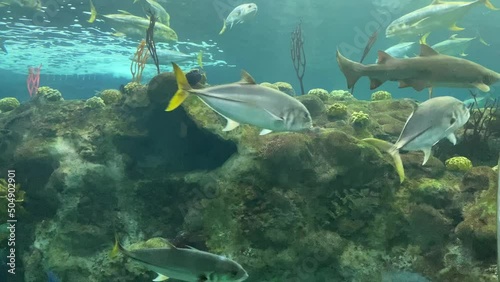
column 298, row 55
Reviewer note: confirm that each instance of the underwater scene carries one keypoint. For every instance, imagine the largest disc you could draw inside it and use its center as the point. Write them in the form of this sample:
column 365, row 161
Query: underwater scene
column 264, row 141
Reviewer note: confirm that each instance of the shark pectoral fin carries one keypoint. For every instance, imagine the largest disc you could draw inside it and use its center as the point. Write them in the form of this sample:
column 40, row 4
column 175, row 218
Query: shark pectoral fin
column 419, row 85
column 160, row 277
column 454, row 27
column 452, row 138
column 374, row 83
column 393, row 151
column 483, row 87
column 265, row 131
column 427, row 154
column 231, row 124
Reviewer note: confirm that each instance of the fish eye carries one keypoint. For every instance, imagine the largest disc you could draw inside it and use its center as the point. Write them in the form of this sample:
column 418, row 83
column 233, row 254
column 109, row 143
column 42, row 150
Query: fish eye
column 452, row 121
column 487, row 80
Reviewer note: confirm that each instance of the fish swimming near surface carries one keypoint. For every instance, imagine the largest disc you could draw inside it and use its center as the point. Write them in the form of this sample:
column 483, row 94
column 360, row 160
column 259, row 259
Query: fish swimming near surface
column 2, row 46
column 185, row 264
column 28, row 4
column 167, row 56
column 439, row 14
column 433, row 120
column 453, row 46
column 400, row 50
column 158, row 10
column 133, row 26
column 247, row 102
column 240, row 14
column 428, row 70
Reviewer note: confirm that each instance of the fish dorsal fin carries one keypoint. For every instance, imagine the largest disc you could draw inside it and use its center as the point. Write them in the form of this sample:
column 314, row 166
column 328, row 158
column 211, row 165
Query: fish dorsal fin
column 427, row 154
column 453, row 36
column 426, row 50
column 435, row 2
column 383, row 57
column 192, row 248
column 124, row 12
column 246, row 78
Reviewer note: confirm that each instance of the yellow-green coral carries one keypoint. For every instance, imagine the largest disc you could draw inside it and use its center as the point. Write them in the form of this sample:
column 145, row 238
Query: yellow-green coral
column 132, row 87
column 360, row 119
column 458, row 164
column 94, row 102
column 341, row 95
column 270, row 85
column 321, row 93
column 381, row 95
column 8, row 104
column 285, row 88
column 4, row 195
column 110, row 96
column 49, row 94
column 337, row 110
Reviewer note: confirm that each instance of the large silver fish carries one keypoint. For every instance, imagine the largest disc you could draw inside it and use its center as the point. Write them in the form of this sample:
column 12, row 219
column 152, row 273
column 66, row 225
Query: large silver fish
column 400, row 50
column 189, row 264
column 433, row 120
column 239, row 15
column 439, row 14
column 167, row 57
column 248, row 103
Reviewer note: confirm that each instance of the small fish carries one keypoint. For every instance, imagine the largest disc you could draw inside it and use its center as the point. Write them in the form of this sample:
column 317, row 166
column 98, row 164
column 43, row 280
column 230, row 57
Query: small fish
column 439, row 14
column 400, row 50
column 52, row 277
column 480, row 102
column 168, row 56
column 453, row 46
column 428, row 70
column 239, row 15
column 2, row 46
column 185, row 264
column 433, row 120
column 247, row 102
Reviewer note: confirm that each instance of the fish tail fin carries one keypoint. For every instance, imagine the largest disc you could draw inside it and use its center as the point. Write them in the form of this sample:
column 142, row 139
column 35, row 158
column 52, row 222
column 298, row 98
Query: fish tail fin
column 488, row 5
column 481, row 39
column 351, row 70
column 116, row 248
column 183, row 89
column 223, row 28
column 423, row 40
column 93, row 12
column 393, row 151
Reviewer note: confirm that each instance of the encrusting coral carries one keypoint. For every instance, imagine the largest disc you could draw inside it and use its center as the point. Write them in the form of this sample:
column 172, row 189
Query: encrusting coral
column 458, row 164
column 8, row 104
column 381, row 95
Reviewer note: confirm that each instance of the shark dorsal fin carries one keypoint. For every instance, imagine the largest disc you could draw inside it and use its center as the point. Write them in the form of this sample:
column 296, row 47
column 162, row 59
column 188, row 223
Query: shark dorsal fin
column 426, row 50
column 383, row 57
column 246, row 78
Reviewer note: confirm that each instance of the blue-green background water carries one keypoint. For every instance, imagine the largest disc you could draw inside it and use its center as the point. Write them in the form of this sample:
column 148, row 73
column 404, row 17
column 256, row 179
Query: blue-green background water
column 260, row 46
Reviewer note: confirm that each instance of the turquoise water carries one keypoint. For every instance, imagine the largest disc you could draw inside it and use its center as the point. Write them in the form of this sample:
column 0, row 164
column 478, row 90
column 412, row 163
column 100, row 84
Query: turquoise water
column 323, row 206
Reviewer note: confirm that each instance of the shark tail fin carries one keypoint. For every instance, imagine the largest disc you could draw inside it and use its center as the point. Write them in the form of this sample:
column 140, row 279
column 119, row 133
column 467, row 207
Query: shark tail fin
column 351, row 70
column 223, row 28
column 93, row 12
column 488, row 5
column 183, row 89
column 393, row 151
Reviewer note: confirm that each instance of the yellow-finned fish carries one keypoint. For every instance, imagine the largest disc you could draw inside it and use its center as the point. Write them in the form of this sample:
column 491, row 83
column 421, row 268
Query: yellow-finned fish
column 134, row 26
column 453, row 46
column 239, row 15
column 438, row 14
column 184, row 264
column 200, row 59
column 247, row 102
column 433, row 120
